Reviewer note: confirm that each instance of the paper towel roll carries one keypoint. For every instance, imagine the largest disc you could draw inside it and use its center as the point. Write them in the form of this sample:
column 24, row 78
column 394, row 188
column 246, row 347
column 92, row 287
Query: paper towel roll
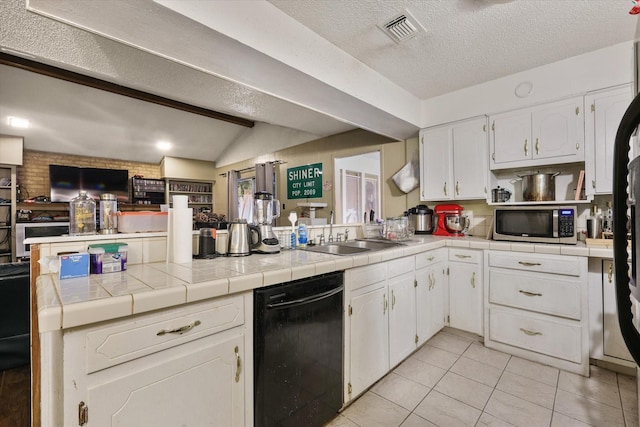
column 180, row 202
column 181, row 235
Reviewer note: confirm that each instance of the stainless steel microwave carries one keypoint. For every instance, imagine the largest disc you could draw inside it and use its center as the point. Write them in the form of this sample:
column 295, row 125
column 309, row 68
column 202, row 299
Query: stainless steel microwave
column 25, row 230
column 536, row 224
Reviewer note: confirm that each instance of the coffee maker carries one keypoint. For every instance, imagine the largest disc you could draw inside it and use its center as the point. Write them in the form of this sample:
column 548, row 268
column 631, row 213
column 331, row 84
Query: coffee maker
column 265, row 210
column 451, row 222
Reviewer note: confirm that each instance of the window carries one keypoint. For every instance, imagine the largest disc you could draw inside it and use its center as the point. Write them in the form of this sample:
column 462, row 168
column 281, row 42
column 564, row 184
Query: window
column 357, row 186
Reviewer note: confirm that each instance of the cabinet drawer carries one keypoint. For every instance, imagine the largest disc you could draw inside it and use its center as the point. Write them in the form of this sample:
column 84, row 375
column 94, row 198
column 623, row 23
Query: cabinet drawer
column 400, row 266
column 360, row 277
column 554, row 264
column 465, row 255
column 429, row 258
column 536, row 292
column 552, row 336
column 129, row 339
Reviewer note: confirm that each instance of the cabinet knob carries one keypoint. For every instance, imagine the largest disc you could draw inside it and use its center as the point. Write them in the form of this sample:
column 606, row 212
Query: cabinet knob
column 577, row 111
column 445, row 188
column 484, row 128
column 577, row 147
column 593, row 107
column 593, row 183
column 493, row 156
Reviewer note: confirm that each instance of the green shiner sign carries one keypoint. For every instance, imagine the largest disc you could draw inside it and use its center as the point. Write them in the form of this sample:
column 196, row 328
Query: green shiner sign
column 304, row 182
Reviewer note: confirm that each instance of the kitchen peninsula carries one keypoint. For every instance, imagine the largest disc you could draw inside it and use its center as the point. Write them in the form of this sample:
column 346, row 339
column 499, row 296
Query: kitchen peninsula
column 161, row 328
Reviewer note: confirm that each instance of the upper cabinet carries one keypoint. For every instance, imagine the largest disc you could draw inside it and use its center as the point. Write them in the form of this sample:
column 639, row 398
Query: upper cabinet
column 546, row 134
column 605, row 109
column 453, row 161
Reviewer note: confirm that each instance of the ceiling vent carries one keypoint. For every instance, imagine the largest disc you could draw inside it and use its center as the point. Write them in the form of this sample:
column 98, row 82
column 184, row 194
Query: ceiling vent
column 402, row 27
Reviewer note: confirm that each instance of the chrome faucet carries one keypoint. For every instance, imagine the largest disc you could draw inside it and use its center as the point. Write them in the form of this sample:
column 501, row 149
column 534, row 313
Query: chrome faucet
column 331, row 226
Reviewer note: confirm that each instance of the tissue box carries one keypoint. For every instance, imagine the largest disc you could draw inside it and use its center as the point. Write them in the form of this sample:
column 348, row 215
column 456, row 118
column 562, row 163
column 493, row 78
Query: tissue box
column 74, row 265
column 108, row 257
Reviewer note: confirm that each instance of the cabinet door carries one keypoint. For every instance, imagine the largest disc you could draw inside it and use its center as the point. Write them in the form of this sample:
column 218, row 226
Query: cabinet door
column 430, row 302
column 465, row 297
column 558, row 131
column 435, row 164
column 203, row 386
column 603, row 119
column 614, row 345
column 402, row 318
column 470, row 156
column 510, row 138
column 369, row 341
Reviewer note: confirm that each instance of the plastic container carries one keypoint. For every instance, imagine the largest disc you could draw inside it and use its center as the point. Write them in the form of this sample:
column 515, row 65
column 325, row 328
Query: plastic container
column 141, row 222
column 107, row 257
column 82, row 215
column 302, row 236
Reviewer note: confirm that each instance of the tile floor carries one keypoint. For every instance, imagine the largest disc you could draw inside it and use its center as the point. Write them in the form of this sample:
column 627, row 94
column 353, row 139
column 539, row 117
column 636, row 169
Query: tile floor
column 455, row 381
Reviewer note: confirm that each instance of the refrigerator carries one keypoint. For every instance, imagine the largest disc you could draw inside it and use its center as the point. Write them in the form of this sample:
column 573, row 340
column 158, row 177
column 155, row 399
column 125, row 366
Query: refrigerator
column 626, row 217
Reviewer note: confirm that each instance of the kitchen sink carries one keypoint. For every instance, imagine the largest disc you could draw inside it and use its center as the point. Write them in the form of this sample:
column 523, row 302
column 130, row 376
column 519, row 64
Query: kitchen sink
column 352, row 247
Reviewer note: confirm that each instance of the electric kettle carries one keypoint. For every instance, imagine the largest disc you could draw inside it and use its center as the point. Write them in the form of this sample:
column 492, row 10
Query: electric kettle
column 238, row 241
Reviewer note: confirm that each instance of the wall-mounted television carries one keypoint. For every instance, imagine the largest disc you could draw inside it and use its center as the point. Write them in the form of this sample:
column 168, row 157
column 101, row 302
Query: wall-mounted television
column 67, row 181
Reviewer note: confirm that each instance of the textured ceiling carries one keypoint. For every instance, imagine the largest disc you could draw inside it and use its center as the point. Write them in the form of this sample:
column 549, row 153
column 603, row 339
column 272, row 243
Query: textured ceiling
column 302, row 69
column 466, row 41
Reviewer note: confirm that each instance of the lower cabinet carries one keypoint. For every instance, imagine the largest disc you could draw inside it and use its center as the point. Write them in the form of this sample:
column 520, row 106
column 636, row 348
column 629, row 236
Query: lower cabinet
column 184, row 366
column 369, row 338
column 536, row 307
column 392, row 308
column 606, row 342
column 430, row 294
column 465, row 290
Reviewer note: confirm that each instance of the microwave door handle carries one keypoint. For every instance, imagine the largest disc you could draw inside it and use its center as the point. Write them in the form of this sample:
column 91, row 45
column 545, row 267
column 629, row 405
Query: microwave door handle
column 555, row 223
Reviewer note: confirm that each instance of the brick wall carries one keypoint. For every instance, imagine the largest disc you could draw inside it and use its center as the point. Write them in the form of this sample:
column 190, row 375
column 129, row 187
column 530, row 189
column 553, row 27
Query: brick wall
column 33, row 175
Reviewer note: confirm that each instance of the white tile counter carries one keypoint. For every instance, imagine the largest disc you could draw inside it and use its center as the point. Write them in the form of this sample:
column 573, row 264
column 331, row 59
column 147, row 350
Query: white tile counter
column 147, row 285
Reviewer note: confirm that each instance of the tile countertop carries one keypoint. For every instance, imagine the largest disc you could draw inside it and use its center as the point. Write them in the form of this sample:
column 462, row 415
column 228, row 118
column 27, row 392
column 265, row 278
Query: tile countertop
column 144, row 287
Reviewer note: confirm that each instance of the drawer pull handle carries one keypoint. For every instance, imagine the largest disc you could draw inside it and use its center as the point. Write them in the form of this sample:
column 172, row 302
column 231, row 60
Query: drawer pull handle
column 238, row 364
column 530, row 333
column 393, row 299
column 528, row 264
column 530, row 294
column 610, row 275
column 462, row 256
column 180, row 330
column 473, row 280
column 431, row 258
column 384, row 307
column 432, row 281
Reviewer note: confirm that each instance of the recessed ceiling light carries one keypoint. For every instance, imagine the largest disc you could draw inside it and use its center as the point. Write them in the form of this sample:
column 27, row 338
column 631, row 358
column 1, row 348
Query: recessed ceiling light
column 163, row 145
column 18, row 122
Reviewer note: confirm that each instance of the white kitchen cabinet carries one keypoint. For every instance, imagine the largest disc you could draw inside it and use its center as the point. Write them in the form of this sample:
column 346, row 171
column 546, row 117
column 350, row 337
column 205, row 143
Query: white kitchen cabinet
column 536, row 307
column 613, row 343
column 430, row 301
column 129, row 372
column 465, row 290
column 605, row 111
column 552, row 133
column 369, row 338
column 453, row 161
column 402, row 317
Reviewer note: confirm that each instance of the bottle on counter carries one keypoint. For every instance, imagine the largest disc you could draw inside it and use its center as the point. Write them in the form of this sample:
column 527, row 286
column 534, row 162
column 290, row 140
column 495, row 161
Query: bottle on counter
column 607, row 220
column 82, row 215
column 302, row 236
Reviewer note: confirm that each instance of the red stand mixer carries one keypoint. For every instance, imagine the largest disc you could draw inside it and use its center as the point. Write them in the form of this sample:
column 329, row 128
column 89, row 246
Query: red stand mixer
column 450, row 221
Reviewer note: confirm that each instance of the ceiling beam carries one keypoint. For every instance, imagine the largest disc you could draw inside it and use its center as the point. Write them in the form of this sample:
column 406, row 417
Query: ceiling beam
column 73, row 77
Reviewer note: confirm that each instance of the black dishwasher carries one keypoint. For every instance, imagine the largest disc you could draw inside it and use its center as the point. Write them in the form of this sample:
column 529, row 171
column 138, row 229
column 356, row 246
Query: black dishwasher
column 298, row 352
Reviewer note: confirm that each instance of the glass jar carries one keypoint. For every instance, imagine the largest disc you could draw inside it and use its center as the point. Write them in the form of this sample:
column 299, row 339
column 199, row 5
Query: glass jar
column 108, row 214
column 82, row 215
